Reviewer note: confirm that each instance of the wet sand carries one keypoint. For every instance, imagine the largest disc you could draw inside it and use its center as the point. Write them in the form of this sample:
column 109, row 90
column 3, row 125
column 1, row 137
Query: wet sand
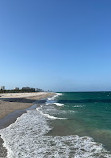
column 14, row 101
column 13, row 105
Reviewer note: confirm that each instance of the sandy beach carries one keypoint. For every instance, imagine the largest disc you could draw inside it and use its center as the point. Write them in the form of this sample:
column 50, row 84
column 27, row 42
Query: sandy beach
column 13, row 101
column 12, row 105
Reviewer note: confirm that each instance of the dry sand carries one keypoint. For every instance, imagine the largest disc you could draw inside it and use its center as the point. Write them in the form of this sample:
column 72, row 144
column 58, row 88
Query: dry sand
column 11, row 102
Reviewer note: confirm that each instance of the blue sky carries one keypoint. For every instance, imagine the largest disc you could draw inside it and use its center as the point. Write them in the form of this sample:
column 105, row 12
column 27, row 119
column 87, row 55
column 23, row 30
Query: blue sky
column 60, row 45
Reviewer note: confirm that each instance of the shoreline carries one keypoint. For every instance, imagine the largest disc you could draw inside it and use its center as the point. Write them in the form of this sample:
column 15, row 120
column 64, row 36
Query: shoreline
column 14, row 105
column 10, row 102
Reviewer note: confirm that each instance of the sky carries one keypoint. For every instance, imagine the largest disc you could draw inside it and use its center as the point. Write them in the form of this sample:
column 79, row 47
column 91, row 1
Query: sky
column 58, row 45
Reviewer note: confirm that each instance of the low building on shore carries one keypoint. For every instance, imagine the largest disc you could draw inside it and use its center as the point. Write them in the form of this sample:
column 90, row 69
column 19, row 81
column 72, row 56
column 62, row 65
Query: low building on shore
column 38, row 90
column 28, row 89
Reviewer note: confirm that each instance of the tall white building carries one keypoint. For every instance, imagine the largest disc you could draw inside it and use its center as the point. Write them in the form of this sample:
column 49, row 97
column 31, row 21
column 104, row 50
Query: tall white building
column 2, row 88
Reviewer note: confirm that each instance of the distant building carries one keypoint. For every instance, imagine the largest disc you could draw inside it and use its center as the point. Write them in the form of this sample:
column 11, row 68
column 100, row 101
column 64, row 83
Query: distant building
column 38, row 90
column 25, row 88
column 28, row 89
column 2, row 88
column 16, row 88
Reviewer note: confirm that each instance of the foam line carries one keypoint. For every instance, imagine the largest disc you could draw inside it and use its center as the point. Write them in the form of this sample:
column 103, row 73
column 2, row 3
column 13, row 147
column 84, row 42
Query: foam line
column 49, row 116
column 58, row 104
column 26, row 138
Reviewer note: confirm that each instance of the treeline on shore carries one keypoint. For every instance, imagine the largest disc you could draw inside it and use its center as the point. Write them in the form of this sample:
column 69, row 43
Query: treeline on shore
column 21, row 90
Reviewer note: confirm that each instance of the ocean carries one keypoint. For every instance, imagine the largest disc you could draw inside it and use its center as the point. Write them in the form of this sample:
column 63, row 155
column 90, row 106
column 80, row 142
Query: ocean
column 68, row 125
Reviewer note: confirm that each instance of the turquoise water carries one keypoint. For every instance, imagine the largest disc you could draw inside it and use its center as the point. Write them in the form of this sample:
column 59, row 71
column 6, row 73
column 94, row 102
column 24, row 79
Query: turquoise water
column 87, row 113
column 71, row 125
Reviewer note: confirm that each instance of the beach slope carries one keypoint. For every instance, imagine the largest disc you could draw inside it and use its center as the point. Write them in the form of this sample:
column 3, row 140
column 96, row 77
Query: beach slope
column 10, row 102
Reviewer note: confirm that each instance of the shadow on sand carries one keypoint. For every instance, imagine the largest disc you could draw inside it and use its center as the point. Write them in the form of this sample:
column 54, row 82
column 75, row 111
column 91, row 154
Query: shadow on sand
column 23, row 100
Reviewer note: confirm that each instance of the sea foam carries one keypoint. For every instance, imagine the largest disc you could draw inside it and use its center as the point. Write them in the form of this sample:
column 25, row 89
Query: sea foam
column 55, row 96
column 26, row 138
column 58, row 104
column 52, row 100
column 47, row 115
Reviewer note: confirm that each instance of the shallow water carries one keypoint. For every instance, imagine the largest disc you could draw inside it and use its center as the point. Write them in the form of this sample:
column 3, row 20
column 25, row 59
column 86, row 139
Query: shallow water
column 88, row 114
column 58, row 129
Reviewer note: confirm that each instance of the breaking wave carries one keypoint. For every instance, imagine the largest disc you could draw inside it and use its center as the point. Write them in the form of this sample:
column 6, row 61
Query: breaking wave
column 59, row 104
column 47, row 115
column 26, row 138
